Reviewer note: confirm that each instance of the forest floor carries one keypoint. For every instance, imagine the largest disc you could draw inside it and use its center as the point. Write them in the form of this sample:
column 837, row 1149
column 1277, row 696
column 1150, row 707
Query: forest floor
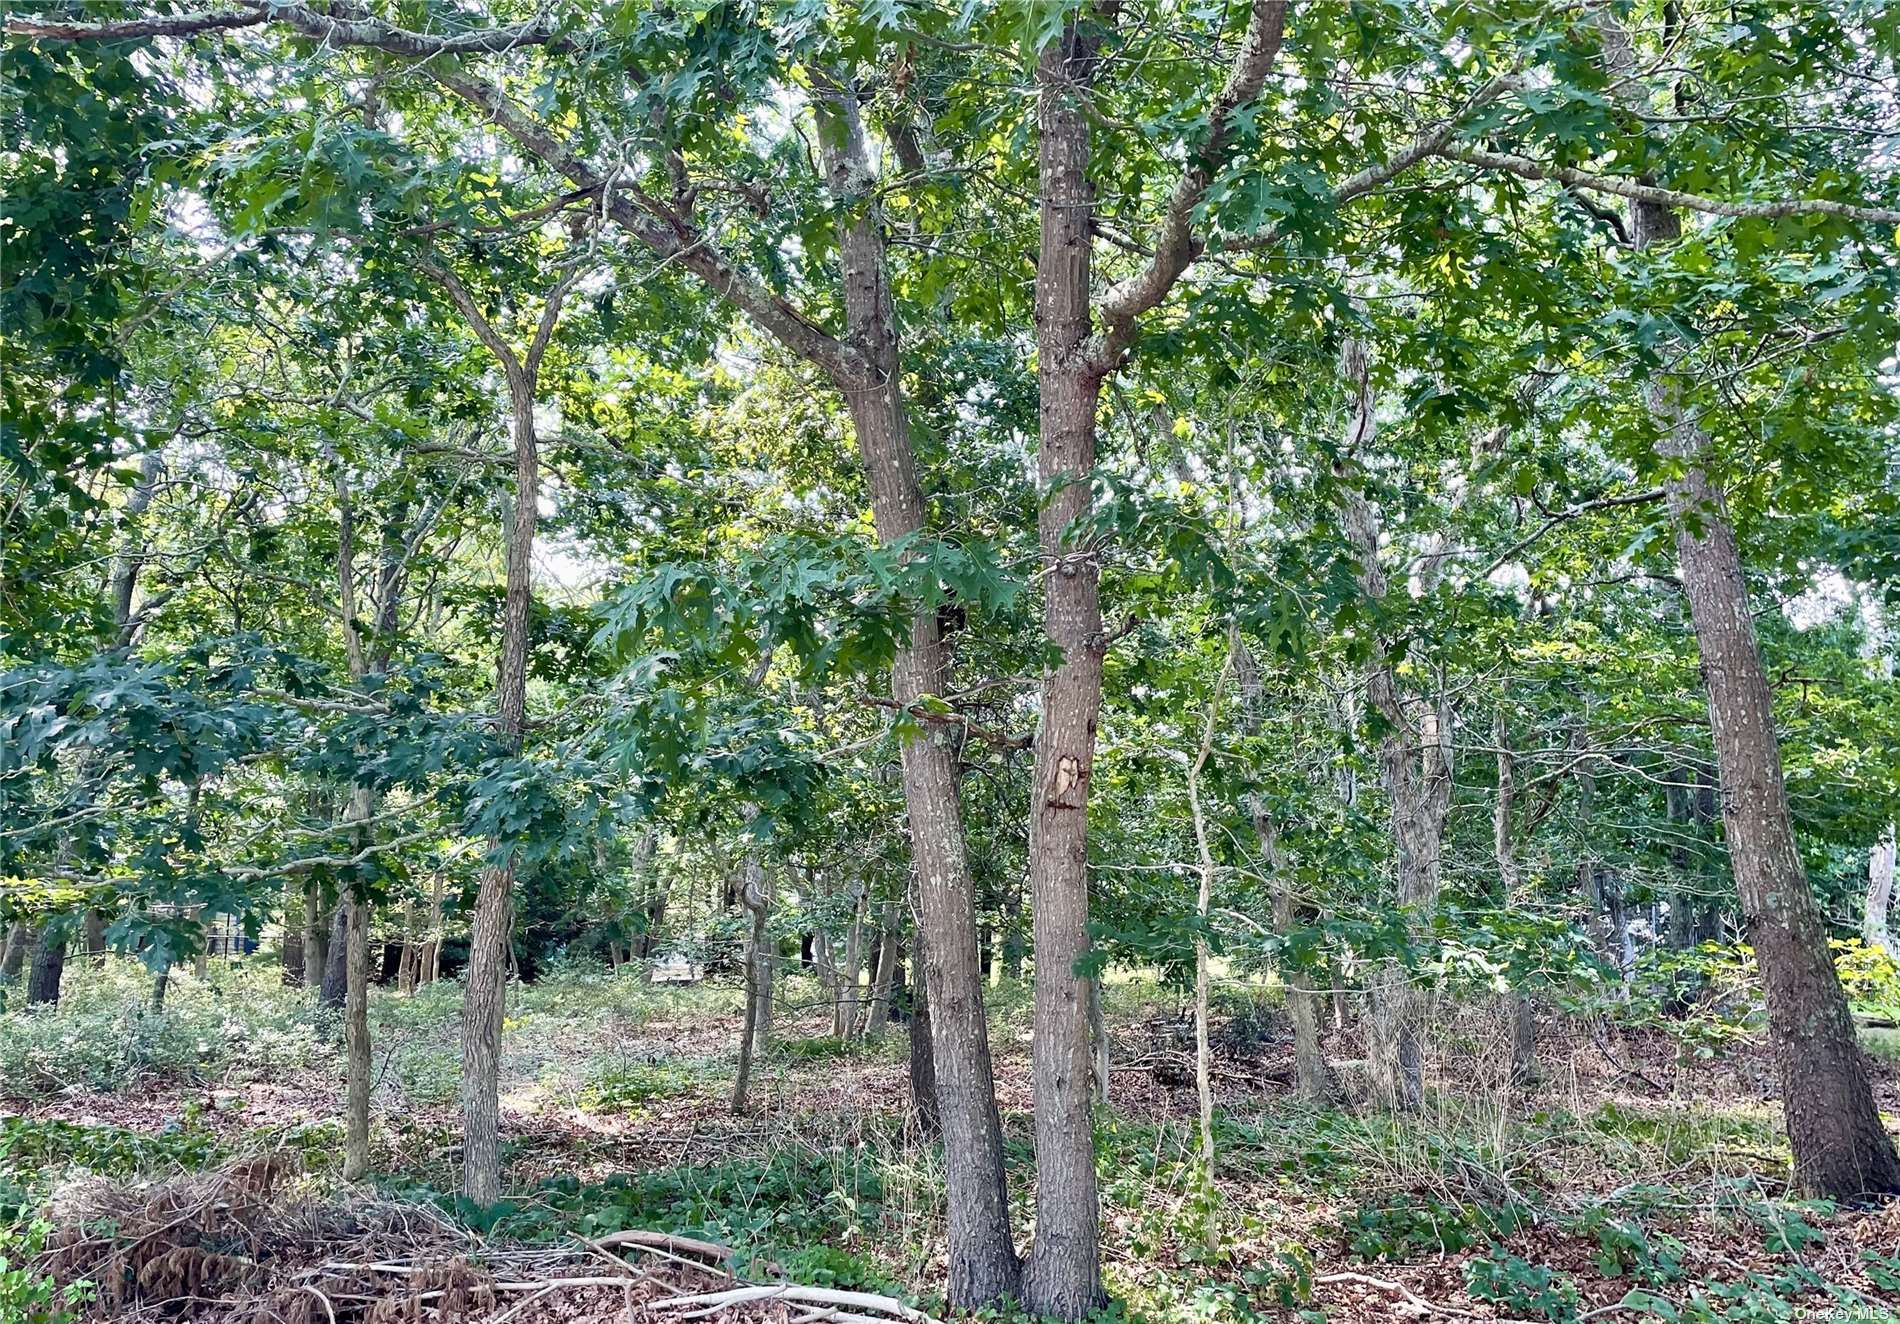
column 196, row 1156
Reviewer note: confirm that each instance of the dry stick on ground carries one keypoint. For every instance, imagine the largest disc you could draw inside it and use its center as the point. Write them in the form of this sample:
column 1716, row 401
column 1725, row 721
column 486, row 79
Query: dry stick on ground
column 664, row 1241
column 712, row 1302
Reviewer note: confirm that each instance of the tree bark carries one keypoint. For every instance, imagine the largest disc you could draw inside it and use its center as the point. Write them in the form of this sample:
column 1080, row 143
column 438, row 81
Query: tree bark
column 983, row 1264
column 356, row 1039
column 1841, row 1150
column 316, row 935
column 95, row 937
column 336, row 974
column 754, row 1035
column 884, row 972
column 491, row 944
column 19, row 942
column 1063, row 1274
column 1203, row 909
column 1873, row 920
column 49, row 965
column 923, row 1065
column 844, row 1010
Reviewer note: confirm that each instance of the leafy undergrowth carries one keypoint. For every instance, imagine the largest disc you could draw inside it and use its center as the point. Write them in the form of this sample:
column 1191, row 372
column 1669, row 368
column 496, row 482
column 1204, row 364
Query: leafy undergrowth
column 1636, row 1182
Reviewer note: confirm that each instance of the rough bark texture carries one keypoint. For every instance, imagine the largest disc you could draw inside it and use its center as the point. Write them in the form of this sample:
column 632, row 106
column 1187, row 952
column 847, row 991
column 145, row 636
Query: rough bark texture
column 844, row 1008
column 49, row 965
column 1063, row 1275
column 1840, row 1148
column 983, row 1263
column 491, row 945
column 755, row 1034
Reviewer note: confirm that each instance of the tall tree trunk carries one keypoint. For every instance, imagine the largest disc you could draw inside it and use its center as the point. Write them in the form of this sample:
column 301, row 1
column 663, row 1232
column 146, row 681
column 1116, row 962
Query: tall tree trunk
column 1063, row 1275
column 1873, row 919
column 1203, row 910
column 1841, row 1150
column 1520, row 1012
column 49, row 964
column 1414, row 769
column 1313, row 1079
column 983, row 1264
column 356, row 1040
column 756, row 895
column 491, row 934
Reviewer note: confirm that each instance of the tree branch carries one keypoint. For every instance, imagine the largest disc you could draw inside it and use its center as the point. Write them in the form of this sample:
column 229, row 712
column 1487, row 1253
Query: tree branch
column 666, row 234
column 168, row 25
column 1175, row 245
column 1666, row 197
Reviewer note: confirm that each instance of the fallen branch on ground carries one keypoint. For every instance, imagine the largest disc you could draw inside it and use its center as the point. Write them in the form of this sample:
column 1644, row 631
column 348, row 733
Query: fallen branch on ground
column 832, row 1303
column 665, row 1241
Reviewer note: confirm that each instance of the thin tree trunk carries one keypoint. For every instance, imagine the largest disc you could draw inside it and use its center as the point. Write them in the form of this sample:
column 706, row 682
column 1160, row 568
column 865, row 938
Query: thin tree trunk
column 1203, row 909
column 760, row 958
column 95, row 937
column 983, row 1264
column 1873, row 920
column 19, row 942
column 336, row 973
column 1519, row 1011
column 1415, row 770
column 884, row 975
column 491, row 944
column 1841, row 1149
column 432, row 949
column 844, row 1011
column 758, row 989
column 411, row 951
column 1099, row 1045
column 356, row 1040
column 316, row 935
